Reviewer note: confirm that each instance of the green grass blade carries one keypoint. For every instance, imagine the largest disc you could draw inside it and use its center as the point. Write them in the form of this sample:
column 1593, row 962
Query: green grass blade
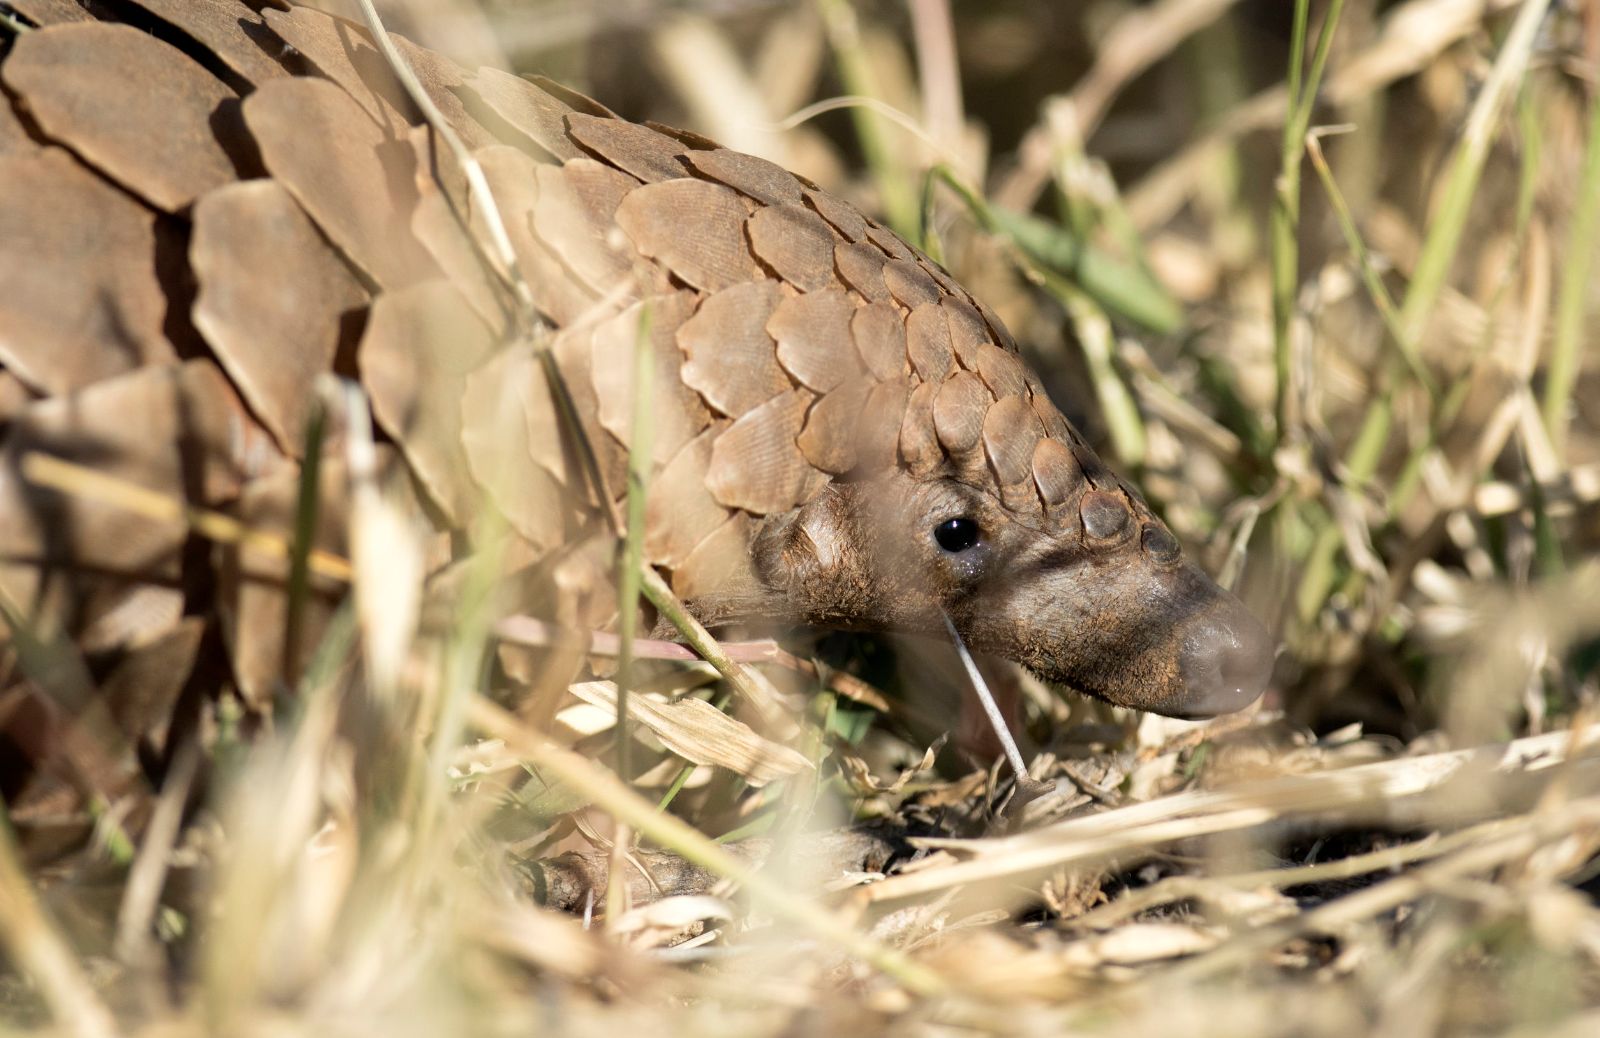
column 1369, row 273
column 630, row 579
column 1286, row 205
column 1120, row 287
column 896, row 193
column 1465, row 169
column 1098, row 341
column 1561, row 376
column 305, row 532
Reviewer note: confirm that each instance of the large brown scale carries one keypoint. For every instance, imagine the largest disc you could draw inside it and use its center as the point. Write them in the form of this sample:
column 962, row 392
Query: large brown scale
column 204, row 210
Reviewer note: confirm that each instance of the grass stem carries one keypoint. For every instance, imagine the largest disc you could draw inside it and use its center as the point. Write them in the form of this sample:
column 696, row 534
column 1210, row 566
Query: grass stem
column 631, row 560
column 896, row 191
column 34, row 944
column 1465, row 170
column 609, row 793
column 1572, row 301
column 305, row 535
column 1303, row 85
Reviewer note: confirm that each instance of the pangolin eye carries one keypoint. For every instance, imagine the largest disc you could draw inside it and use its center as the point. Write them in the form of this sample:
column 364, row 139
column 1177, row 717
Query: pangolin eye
column 956, row 535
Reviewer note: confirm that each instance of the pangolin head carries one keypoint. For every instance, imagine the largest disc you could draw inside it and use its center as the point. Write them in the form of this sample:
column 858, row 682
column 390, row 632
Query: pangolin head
column 1093, row 593
column 1035, row 550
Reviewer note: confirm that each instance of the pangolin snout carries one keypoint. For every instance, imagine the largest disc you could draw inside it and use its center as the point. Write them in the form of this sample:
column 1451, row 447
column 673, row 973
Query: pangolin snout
column 1225, row 660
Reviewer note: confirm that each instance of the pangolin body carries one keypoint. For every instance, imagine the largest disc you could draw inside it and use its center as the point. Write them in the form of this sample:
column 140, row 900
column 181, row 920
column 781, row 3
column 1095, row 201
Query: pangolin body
column 206, row 204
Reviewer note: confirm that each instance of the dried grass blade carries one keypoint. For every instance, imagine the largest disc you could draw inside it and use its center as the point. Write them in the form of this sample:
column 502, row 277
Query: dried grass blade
column 384, row 550
column 142, row 894
column 746, row 681
column 1525, row 835
column 1359, row 790
column 1412, row 36
column 46, row 470
column 673, row 833
column 477, row 183
column 42, row 953
column 700, row 733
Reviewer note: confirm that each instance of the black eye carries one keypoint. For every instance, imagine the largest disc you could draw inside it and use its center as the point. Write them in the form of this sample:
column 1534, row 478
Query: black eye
column 956, row 535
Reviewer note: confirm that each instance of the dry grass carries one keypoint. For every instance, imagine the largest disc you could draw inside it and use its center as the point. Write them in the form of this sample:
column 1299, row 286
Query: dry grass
column 1319, row 274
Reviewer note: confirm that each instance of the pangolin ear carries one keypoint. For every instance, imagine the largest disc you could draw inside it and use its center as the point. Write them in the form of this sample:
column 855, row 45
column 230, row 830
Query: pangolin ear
column 811, row 549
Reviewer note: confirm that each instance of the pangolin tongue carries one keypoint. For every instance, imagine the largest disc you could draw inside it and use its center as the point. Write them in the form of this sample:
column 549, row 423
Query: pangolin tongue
column 250, row 191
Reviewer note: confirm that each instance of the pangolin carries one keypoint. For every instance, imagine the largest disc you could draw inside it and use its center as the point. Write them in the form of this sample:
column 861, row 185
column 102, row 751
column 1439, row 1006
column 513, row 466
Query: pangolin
column 206, row 204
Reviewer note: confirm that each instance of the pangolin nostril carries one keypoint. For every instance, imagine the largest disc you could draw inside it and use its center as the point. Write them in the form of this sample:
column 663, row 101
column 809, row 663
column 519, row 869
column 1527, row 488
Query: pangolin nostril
column 1226, row 660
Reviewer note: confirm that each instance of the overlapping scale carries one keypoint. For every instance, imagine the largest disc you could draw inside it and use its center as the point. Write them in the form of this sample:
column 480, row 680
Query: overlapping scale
column 919, row 441
column 882, row 419
column 533, row 112
column 169, row 141
column 796, row 243
column 444, row 82
column 968, row 332
column 1002, row 371
column 1056, row 472
column 958, row 411
column 680, row 511
column 514, row 182
column 891, row 243
column 814, row 338
column 861, row 267
column 832, row 435
column 676, row 412
column 747, row 174
column 693, row 228
column 1010, row 434
column 230, row 30
column 344, row 53
column 275, row 333
column 756, row 464
column 80, row 247
column 731, row 360
column 928, row 343
column 909, row 283
column 843, row 216
column 635, row 149
column 514, row 446
column 354, row 183
column 880, row 336
column 420, row 345
column 576, row 203
column 719, row 562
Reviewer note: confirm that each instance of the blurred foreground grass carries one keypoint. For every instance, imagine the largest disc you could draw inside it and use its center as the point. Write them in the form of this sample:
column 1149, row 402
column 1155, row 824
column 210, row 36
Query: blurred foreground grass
column 1321, row 276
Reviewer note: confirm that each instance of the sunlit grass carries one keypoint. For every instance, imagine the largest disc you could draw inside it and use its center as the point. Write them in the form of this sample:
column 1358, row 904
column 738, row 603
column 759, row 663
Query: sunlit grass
column 373, row 859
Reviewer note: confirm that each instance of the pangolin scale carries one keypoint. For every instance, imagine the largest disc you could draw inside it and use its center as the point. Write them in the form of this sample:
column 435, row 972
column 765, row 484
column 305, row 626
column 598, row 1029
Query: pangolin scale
column 207, row 204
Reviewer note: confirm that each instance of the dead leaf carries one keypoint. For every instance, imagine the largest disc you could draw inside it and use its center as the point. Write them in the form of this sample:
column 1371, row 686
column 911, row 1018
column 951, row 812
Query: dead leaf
column 700, row 733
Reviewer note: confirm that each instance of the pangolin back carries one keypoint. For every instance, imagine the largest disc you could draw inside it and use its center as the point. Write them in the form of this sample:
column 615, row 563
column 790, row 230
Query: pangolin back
column 204, row 210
